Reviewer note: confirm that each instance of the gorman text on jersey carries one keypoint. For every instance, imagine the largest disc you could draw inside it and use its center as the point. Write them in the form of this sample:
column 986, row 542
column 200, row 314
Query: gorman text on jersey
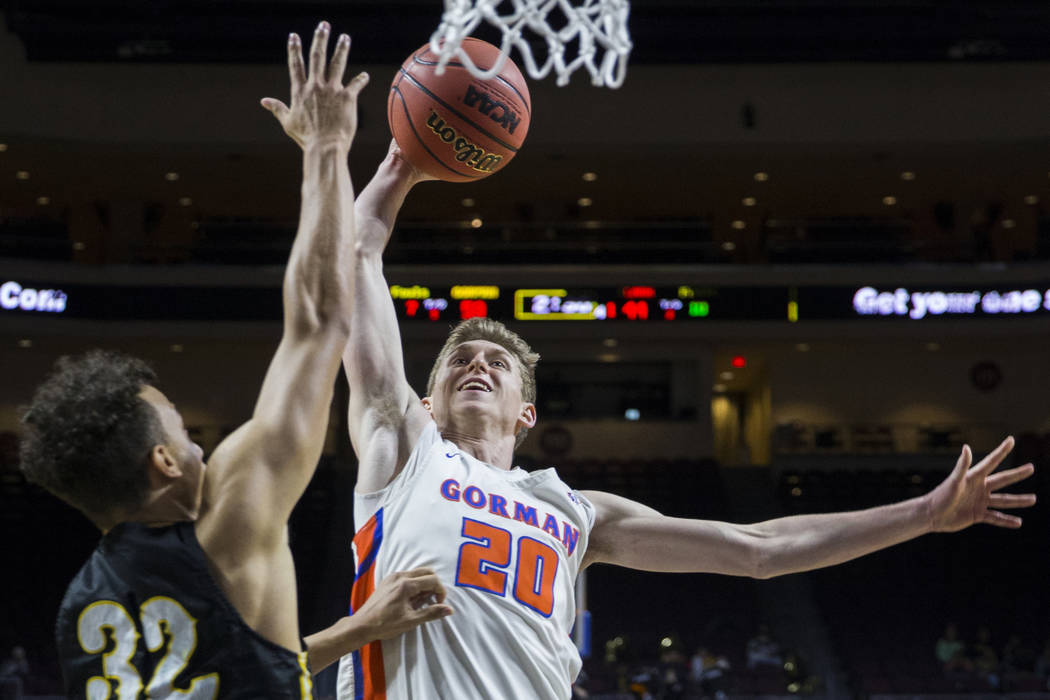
column 499, row 505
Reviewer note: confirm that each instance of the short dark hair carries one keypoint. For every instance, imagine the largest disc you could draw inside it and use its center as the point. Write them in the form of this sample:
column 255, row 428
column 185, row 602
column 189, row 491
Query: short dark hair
column 87, row 434
column 484, row 328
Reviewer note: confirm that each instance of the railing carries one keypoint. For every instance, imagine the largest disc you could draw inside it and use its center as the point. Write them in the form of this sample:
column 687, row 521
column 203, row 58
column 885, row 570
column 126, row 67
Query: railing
column 798, row 438
column 254, row 241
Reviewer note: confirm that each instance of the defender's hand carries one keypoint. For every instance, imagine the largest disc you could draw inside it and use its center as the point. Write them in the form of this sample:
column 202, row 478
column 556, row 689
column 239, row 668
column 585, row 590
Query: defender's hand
column 402, row 601
column 969, row 495
column 323, row 110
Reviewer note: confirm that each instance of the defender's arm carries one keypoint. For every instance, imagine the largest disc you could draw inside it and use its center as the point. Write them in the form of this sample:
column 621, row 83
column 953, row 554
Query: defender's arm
column 258, row 473
column 400, row 602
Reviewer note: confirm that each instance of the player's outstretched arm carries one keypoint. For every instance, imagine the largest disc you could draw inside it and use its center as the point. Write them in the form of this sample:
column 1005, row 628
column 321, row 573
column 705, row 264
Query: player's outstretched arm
column 400, row 602
column 385, row 415
column 259, row 472
column 632, row 535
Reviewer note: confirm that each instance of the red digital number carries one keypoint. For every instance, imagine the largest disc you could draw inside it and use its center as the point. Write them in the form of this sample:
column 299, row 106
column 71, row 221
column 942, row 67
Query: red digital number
column 471, row 308
column 636, row 310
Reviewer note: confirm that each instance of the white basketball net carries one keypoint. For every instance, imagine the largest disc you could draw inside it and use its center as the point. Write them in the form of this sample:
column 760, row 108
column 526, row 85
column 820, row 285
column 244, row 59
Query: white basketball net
column 600, row 26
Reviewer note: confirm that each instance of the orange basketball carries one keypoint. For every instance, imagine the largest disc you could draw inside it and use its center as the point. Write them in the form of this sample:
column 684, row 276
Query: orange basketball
column 454, row 126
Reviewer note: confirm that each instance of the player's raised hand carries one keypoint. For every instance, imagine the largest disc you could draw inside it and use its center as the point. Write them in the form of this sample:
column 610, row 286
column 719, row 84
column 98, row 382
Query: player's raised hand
column 401, row 168
column 970, row 494
column 323, row 111
column 404, row 600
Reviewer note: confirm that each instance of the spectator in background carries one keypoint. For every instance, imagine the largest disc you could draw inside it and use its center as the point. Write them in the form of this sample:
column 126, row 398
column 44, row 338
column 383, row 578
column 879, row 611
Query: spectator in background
column 708, row 673
column 640, row 691
column 579, row 686
column 672, row 674
column 763, row 650
column 985, row 659
column 15, row 664
column 951, row 652
column 1017, row 656
column 1042, row 665
column 14, row 671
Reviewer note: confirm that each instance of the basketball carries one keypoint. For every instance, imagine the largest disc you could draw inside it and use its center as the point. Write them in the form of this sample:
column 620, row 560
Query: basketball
column 455, row 126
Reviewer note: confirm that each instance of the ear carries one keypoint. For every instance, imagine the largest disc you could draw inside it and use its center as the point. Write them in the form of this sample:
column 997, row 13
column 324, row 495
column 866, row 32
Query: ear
column 163, row 464
column 527, row 417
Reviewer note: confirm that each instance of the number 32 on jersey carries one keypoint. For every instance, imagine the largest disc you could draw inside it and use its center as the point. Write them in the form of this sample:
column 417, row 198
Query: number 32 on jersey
column 117, row 665
column 484, row 564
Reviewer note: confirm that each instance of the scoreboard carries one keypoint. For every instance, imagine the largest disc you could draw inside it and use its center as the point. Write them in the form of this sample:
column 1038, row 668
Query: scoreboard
column 626, row 303
column 695, row 303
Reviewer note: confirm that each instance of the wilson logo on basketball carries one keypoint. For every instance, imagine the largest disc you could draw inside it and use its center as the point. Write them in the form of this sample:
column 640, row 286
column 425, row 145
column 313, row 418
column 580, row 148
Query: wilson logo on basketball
column 466, row 152
column 492, row 108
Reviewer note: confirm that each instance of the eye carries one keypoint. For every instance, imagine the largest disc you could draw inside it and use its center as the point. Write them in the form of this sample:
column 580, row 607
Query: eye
column 499, row 363
column 459, row 361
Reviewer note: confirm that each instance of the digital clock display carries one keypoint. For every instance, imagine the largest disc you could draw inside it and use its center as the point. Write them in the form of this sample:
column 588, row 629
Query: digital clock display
column 637, row 303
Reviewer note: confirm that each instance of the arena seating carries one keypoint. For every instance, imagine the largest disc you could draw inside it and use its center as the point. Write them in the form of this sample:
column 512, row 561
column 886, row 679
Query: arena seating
column 38, row 238
column 52, row 541
column 839, row 240
column 680, row 487
column 570, row 240
column 887, row 610
column 241, row 241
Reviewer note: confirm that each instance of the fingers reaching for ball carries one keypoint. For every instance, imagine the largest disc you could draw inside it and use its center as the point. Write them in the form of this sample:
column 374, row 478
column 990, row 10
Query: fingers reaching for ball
column 322, row 109
column 339, row 56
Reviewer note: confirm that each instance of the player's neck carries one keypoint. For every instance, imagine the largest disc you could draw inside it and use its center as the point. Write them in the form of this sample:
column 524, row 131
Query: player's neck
column 497, row 451
column 163, row 506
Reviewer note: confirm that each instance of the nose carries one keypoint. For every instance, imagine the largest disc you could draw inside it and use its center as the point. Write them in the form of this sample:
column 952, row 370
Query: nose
column 478, row 363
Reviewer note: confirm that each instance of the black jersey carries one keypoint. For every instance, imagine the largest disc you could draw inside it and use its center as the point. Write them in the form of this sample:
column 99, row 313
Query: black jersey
column 145, row 618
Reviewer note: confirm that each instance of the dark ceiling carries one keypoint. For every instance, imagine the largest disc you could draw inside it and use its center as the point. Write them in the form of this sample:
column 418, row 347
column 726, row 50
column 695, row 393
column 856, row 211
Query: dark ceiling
column 663, row 31
column 649, row 179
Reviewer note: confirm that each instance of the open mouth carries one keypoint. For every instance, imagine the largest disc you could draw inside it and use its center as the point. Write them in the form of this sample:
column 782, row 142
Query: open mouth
column 474, row 385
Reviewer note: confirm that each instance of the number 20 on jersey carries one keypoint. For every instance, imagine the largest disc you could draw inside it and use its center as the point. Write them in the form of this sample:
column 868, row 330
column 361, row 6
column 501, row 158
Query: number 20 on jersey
column 484, row 564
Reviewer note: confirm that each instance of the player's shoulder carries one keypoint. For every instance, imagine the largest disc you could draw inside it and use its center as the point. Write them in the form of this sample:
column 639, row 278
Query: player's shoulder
column 132, row 555
column 549, row 483
column 395, row 459
column 552, row 475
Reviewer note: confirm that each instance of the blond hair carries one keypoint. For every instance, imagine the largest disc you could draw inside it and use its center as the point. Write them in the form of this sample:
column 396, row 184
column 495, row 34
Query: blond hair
column 482, row 328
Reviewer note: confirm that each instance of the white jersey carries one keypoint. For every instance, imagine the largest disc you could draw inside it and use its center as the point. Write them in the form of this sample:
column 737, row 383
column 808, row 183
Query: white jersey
column 506, row 544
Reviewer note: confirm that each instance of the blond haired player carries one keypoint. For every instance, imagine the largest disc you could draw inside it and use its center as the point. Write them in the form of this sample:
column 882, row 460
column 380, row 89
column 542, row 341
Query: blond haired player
column 437, row 487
